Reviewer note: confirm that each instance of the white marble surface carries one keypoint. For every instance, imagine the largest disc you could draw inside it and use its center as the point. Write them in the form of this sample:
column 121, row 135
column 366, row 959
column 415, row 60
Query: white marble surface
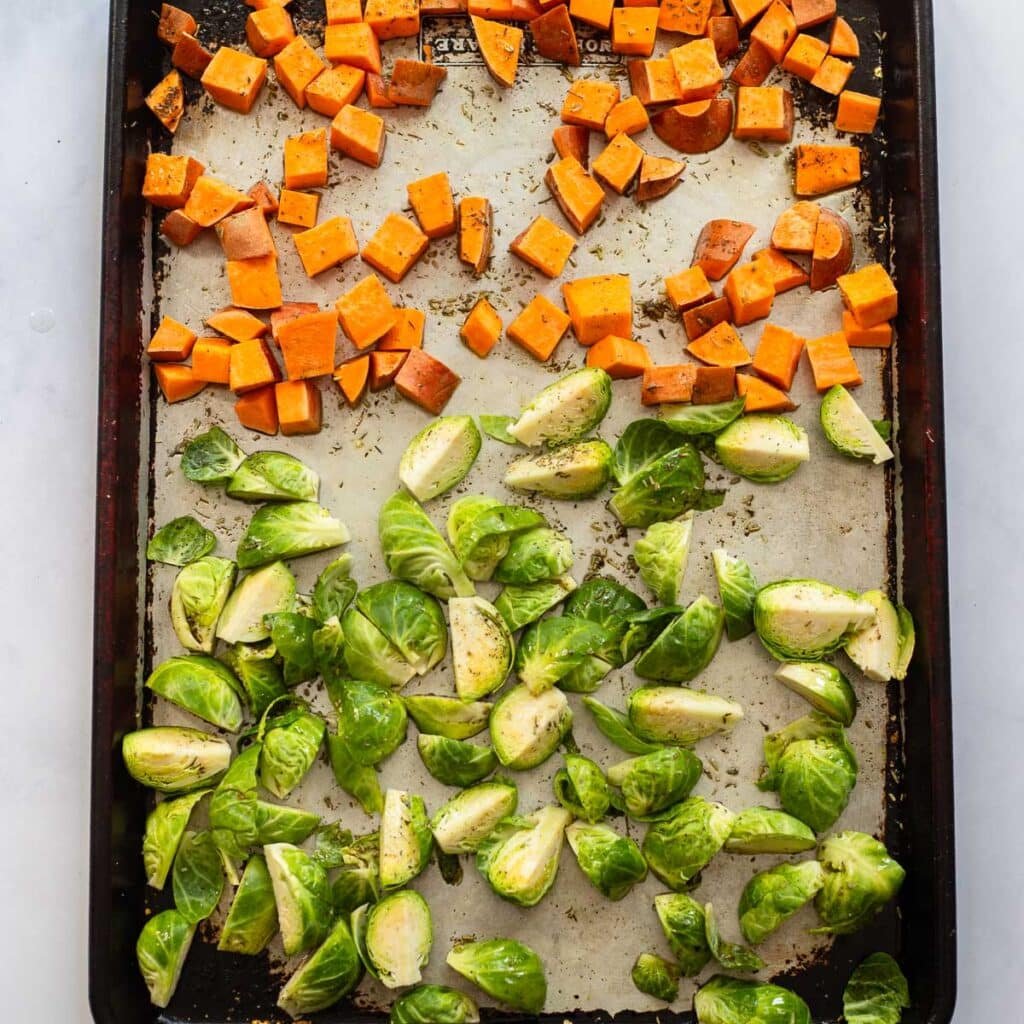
column 52, row 69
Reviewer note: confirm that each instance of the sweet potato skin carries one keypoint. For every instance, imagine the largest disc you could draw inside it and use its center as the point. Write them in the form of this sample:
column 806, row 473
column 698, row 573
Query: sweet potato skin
column 720, row 245
column 695, row 127
column 833, row 250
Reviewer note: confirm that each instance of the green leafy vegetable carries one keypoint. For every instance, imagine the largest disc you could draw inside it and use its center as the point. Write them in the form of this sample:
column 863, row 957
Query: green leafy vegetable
column 534, row 555
column 520, row 859
column 439, row 456
column 664, row 489
column 334, row 589
column 674, row 714
column 302, row 895
column 569, row 472
column 581, row 788
column 161, row 950
column 292, row 635
column 505, row 969
column 653, row 782
column 202, row 686
column 482, row 647
column 289, row 529
column 682, row 920
column 726, row 1000
column 198, row 876
column 266, row 591
column 405, row 838
column 695, row 420
column 766, row 830
column 291, row 742
column 399, row 936
column 661, row 555
column 615, row 726
column 764, row 448
column 273, row 476
column 434, row 1004
column 860, row 878
column 174, row 759
column 877, row 992
column 655, row 976
column 456, row 762
column 165, row 825
column 613, row 863
column 773, row 896
column 181, row 541
column 412, row 621
column 685, row 648
column 198, row 597
column 680, row 845
column 738, row 589
column 328, row 975
column 252, row 920
column 526, row 728
column 447, row 716
column 356, row 779
column 464, row 823
column 551, row 648
column 731, row 955
column 565, row 410
column 521, row 604
column 610, row 605
column 370, row 717
column 211, row 458
column 497, row 427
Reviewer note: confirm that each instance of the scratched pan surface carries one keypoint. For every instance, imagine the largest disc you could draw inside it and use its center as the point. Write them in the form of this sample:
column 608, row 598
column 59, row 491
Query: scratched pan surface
column 835, row 519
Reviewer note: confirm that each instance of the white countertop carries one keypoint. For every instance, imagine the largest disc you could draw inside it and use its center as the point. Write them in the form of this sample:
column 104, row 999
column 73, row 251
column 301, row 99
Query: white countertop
column 52, row 78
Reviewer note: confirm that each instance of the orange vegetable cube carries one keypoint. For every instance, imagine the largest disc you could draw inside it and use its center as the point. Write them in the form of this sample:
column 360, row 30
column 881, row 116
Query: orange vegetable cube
column 359, row 134
column 785, row 274
column 344, row 12
column 809, row 13
column 269, row 31
column 366, row 312
column 805, row 56
column 598, row 306
column 433, row 204
column 298, row 407
column 721, row 346
column 869, row 294
column 384, row 367
column 724, row 32
column 211, row 360
column 170, row 179
column 697, row 70
column 482, row 328
column 700, row 319
column 491, row 9
column 797, row 227
column 245, row 235
column 843, row 42
column 765, row 113
column 628, row 117
column 690, row 17
column 167, row 101
column 750, row 289
column 857, row 112
column 296, row 67
column 307, row 344
column 544, row 245
column 172, row 341
column 255, row 283
column 754, row 66
column 589, row 102
column 593, row 12
column 257, row 410
column 572, row 140
column 211, row 200
column 747, row 10
column 414, row 83
column 236, row 324
column 393, row 19
column 620, row 358
column 500, row 46
column 352, row 378
column 263, row 196
column 335, row 88
column 326, row 245
column 305, row 159
column 832, row 362
column 173, row 21
column 234, row 79
column 476, row 228
column 395, row 247
column 618, row 164
column 377, row 92
column 190, row 56
column 653, row 82
column 353, row 44
column 634, row 30
column 668, row 384
column 776, row 30
column 879, row 336
column 554, row 36
column 252, row 366
column 298, row 208
column 539, row 327
column 832, row 75
column 823, row 169
column 688, row 288
column 179, row 229
column 289, row 311
column 405, row 333
column 713, row 384
column 658, row 176
column 761, row 396
column 778, row 355
column 426, row 381
column 578, row 196
column 720, row 245
column 176, row 381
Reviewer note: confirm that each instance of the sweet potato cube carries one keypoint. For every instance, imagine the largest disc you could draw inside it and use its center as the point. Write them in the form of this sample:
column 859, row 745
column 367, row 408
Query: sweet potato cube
column 634, row 30
column 620, row 358
column 776, row 30
column 190, row 56
column 236, row 324
column 252, row 366
column 750, row 289
column 785, row 274
column 212, row 200
column 377, row 92
column 832, row 362
column 354, row 44
column 720, row 245
column 700, row 319
column 843, row 41
column 344, row 12
column 287, row 312
column 179, row 229
column 366, row 312
column 809, row 13
column 482, row 328
column 234, row 79
column 173, row 21
column 269, row 31
column 598, row 306
column 500, row 46
column 627, row 117
column 298, row 208
column 697, row 70
column 690, row 17
column 778, row 355
column 721, row 346
column 414, row 83
column 688, row 288
column 352, row 378
column 257, row 410
column 724, row 32
column 618, row 164
column 167, row 101
column 170, row 179
column 796, row 228
column 172, row 341
column 359, row 134
column 177, row 382
column 589, row 102
column 491, row 8
column 747, row 10
column 384, row 367
column 395, row 247
column 823, row 169
column 578, row 196
column 426, row 381
column 335, row 88
column 298, row 407
column 572, row 140
column 255, row 283
column 713, row 384
column 433, row 204
column 326, row 245
column 393, row 19
column 476, row 226
column 211, row 360
column 833, row 250
column 668, row 384
column 245, row 235
column 765, row 113
column 761, row 396
column 539, row 327
column 593, row 12
column 857, row 112
column 754, row 66
column 658, row 176
column 832, row 75
column 805, row 56
column 653, row 82
column 554, row 36
column 405, row 333
column 264, row 198
column 305, row 159
column 878, row 336
column 296, row 67
column 869, row 294
column 307, row 344
column 544, row 245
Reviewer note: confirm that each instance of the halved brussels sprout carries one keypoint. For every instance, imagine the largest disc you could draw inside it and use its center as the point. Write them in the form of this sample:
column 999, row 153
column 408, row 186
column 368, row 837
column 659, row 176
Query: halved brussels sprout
column 552, row 648
column 737, row 589
column 197, row 878
column 610, row 605
column 482, row 647
column 252, row 920
column 302, row 895
column 569, row 472
column 405, row 838
column 181, row 541
column 202, row 686
column 161, row 950
column 877, row 992
column 520, row 861
column 521, row 604
column 860, row 878
column 496, row 427
column 481, row 529
column 198, row 597
column 292, row 634
column 848, row 429
column 685, row 648
column 334, row 589
column 764, row 448
column 661, row 555
column 328, row 975
column 358, row 780
column 439, row 456
column 682, row 843
column 652, row 782
column 907, row 641
column 823, row 686
column 674, row 714
column 682, row 920
column 434, row 1004
column 211, row 458
column 289, row 529
column 165, row 825
column 273, row 476
column 291, row 742
column 505, row 969
column 766, row 830
column 462, row 824
column 565, row 410
column 725, row 1000
column 656, row 977
column 534, row 555
column 447, row 716
column 772, row 897
column 370, row 655
column 731, row 955
column 371, row 718
column 806, row 620
column 257, row 670
column 412, row 621
column 880, row 650
column 358, row 879
column 641, row 444
column 613, row 863
column 700, row 420
column 809, row 727
column 526, row 729
column 581, row 788
column 174, row 759
column 662, row 489
column 615, row 726
column 399, row 936
column 642, row 628
column 456, row 762
column 265, row 592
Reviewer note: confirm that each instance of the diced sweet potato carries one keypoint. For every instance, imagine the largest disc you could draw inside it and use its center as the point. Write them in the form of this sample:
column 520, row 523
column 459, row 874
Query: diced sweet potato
column 857, row 112
column 299, row 408
column 190, row 57
column 426, row 381
column 287, row 312
column 634, row 30
column 476, row 225
column 833, row 250
column 172, row 341
column 335, row 88
column 697, row 70
column 796, row 228
column 572, row 140
column 354, row 44
column 544, row 245
column 712, row 384
column 832, row 362
column 690, row 17
column 754, row 66
column 554, row 37
column 764, row 113
column 870, row 295
column 843, row 42
column 668, row 383
column 264, row 198
column 234, row 79
column 658, row 176
column 778, row 355
column 326, row 245
column 620, row 358
column 761, row 396
column 245, row 235
column 211, row 360
column 720, row 245
column 618, row 164
column 688, row 288
column 785, row 274
column 824, row 169
column 724, row 32
column 653, row 82
column 879, row 336
column 269, row 31
column 832, row 75
column 593, row 12
column 236, row 324
column 179, row 229
column 167, row 101
column 169, row 180
column 482, row 328
column 296, row 67
column 414, row 83
column 176, row 381
column 384, row 367
column 539, row 327
column 173, row 21
column 628, row 116
column 805, row 56
column 255, row 283
column 750, row 289
column 305, row 159
column 589, row 102
column 395, row 247
column 359, row 134
column 377, row 92
column 776, row 30
column 599, row 306
column 344, row 12
column 578, row 196
column 747, row 10
column 432, row 201
column 809, row 13
column 697, row 127
column 499, row 46
column 307, row 344
column 257, row 410
column 405, row 333
column 212, row 200
column 352, row 378
column 700, row 319
column 298, row 209
column 366, row 312
column 252, row 366
column 393, row 19
column 721, row 346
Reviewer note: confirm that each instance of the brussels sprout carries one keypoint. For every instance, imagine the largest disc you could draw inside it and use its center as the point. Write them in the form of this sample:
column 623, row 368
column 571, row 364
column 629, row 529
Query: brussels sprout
column 439, row 456
column 609, row 604
column 160, row 950
column 570, row 471
column 581, row 788
column 765, row 830
column 565, row 410
column 877, row 992
column 642, row 444
column 456, row 762
column 211, row 458
column 764, row 448
column 773, row 896
column 329, row 652
column 642, row 628
column 330, row 842
column 291, row 742
column 726, row 1000
column 860, row 878
column 174, row 759
column 520, row 858
column 697, row 420
column 879, row 648
column 482, row 647
column 849, row 430
column 181, row 541
column 681, row 844
column 197, row 879
column 664, row 489
column 806, row 620
column 497, row 427
column 267, row 591
column 370, row 717
column 731, row 955
column 614, row 725
column 273, row 476
column 550, row 649
column 434, row 1004
column 447, row 716
column 358, row 878
column 737, row 589
column 811, row 727
column 415, row 552
column 288, row 529
column 411, row 620
column 462, row 824
column 526, row 729
column 655, row 976
column 399, row 935
column 334, row 589
column 292, row 635
column 481, row 529
column 682, row 921
column 652, row 782
column 521, row 604
column 302, row 895
column 405, row 838
column 252, row 920
column 197, row 599
column 661, row 555
column 587, row 676
column 534, row 555
column 907, row 640
column 612, row 863
column 685, row 648
column 258, row 672
column 370, row 655
column 674, row 714
column 233, row 806
column 165, row 825
column 276, row 823
column 505, row 969
column 823, row 686
column 360, row 781
column 328, row 975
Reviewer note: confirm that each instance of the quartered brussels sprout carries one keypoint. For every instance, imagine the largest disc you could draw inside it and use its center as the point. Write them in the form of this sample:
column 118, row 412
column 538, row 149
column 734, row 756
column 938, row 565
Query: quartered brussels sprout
column 806, row 620
column 332, row 971
column 877, row 992
column 581, row 788
column 456, row 762
column 399, row 936
column 370, row 655
column 291, row 742
column 737, row 590
column 764, row 448
column 358, row 780
column 526, row 728
column 447, row 716
column 434, row 1004
column 674, row 714
column 766, row 830
column 860, row 878
column 161, row 950
column 848, row 429
column 610, row 605
column 405, row 838
column 569, row 472
column 613, row 863
column 682, row 920
column 462, row 824
column 496, row 427
column 731, row 955
column 211, row 458
column 565, row 410
column 535, row 555
column 615, row 726
column 505, row 969
column 181, row 541
column 197, row 878
column 302, row 895
column 165, row 825
column 679, row 845
column 481, row 528
column 256, row 668
column 726, row 1000
column 273, row 476
column 197, row 599
column 823, row 686
column 412, row 621
column 882, row 650
column 520, row 859
column 439, row 456
column 652, row 782
column 289, row 529
column 661, row 555
column 656, row 977
column 482, row 647
column 549, row 650
column 415, row 552
column 252, row 920
column 641, row 444
column 358, row 879
column 334, row 589
column 264, row 592
column 771, row 897
column 371, row 718
column 521, row 604
column 685, row 648
column 174, row 759
column 701, row 420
